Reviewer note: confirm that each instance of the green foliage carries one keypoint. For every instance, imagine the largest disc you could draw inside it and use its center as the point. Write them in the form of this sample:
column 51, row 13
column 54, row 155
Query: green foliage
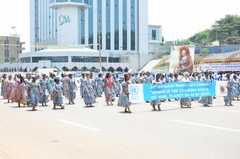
column 205, row 51
column 226, row 30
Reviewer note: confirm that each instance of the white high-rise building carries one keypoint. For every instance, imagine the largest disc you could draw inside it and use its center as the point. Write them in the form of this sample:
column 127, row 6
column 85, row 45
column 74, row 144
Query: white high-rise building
column 119, row 27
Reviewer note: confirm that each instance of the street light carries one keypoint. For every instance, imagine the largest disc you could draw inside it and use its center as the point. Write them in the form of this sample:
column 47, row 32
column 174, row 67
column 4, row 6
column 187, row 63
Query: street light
column 15, row 35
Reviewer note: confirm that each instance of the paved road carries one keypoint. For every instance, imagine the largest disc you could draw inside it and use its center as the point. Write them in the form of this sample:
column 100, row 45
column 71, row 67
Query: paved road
column 106, row 132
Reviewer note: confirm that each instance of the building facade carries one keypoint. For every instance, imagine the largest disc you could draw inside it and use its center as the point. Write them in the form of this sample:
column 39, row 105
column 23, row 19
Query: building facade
column 118, row 28
column 10, row 48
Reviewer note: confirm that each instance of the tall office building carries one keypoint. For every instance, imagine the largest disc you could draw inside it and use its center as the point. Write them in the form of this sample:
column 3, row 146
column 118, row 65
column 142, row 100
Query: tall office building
column 118, row 27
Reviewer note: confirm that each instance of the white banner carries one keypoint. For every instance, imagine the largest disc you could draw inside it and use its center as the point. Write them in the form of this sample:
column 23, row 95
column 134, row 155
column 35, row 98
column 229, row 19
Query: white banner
column 221, row 88
column 136, row 93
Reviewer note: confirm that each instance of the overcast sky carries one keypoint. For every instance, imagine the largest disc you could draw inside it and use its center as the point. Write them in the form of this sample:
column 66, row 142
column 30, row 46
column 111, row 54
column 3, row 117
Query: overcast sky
column 179, row 18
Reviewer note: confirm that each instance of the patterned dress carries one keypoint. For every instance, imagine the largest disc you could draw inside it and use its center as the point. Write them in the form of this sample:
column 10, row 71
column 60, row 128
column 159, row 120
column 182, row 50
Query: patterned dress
column 51, row 86
column 63, row 82
column 123, row 100
column 108, row 88
column 230, row 93
column 21, row 95
column 206, row 101
column 117, row 88
column 185, row 101
column 71, row 92
column 44, row 97
column 10, row 85
column 235, row 87
column 34, row 93
column 194, row 79
column 99, row 87
column 156, row 102
column 88, row 92
column 58, row 98
column 81, row 86
column 3, row 88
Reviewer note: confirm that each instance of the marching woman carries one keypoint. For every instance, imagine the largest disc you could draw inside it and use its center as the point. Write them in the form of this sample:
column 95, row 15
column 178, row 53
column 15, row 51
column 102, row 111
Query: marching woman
column 156, row 102
column 108, row 88
column 147, row 79
column 185, row 101
column 99, row 87
column 206, row 101
column 16, row 91
column 230, row 92
column 3, row 86
column 10, row 85
column 89, row 95
column 235, row 81
column 81, row 85
column 71, row 89
column 194, row 78
column 63, row 82
column 34, row 93
column 44, row 96
column 57, row 96
column 51, row 84
column 123, row 100
column 21, row 94
column 117, row 89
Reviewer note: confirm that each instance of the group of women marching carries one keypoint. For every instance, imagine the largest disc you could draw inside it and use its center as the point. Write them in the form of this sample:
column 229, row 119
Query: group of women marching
column 31, row 90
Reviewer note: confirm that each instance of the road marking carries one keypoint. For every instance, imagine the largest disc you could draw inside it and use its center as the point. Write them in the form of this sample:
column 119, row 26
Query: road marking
column 209, row 126
column 75, row 124
column 229, row 111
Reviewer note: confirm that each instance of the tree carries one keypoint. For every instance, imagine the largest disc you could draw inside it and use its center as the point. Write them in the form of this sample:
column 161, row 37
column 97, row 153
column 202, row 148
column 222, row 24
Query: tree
column 204, row 51
column 200, row 38
column 227, row 29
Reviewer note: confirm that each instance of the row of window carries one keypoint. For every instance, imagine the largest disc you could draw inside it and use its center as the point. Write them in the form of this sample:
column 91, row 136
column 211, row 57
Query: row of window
column 62, row 59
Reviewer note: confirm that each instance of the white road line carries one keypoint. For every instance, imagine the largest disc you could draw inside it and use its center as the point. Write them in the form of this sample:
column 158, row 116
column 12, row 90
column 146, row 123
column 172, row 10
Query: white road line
column 209, row 126
column 75, row 124
column 229, row 111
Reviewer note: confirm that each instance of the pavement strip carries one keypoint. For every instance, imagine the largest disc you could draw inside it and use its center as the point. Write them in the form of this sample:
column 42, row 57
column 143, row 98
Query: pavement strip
column 229, row 111
column 75, row 124
column 203, row 125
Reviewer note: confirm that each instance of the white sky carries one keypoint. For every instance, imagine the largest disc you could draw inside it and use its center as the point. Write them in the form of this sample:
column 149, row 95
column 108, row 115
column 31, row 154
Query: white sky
column 179, row 18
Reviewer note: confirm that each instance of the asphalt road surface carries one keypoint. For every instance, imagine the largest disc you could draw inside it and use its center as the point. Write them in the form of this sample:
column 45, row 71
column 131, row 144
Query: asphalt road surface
column 106, row 132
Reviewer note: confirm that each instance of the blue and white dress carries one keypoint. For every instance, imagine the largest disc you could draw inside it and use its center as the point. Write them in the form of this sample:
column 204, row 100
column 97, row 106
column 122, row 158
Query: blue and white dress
column 235, row 87
column 44, row 96
column 185, row 101
column 71, row 92
column 156, row 102
column 99, row 86
column 34, row 93
column 63, row 82
column 230, row 94
column 81, row 86
column 206, row 101
column 123, row 100
column 3, row 88
column 117, row 88
column 88, row 92
column 58, row 98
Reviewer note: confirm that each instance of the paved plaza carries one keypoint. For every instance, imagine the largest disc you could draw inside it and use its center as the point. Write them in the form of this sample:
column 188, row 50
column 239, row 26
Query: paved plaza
column 106, row 132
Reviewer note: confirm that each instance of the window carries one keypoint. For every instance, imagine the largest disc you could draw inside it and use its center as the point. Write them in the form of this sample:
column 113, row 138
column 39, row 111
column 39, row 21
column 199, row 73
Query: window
column 154, row 34
column 113, row 59
column 132, row 24
column 108, row 25
column 52, row 59
column 116, row 24
column 99, row 35
column 88, row 59
column 90, row 24
column 83, row 27
column 124, row 25
column 61, row 0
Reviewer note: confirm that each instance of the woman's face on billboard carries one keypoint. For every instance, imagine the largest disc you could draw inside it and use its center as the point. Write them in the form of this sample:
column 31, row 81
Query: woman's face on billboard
column 184, row 53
